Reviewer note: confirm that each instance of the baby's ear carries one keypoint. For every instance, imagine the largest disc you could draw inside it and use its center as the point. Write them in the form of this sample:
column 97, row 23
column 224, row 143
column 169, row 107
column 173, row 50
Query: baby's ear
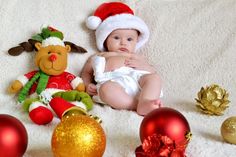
column 68, row 48
column 38, row 46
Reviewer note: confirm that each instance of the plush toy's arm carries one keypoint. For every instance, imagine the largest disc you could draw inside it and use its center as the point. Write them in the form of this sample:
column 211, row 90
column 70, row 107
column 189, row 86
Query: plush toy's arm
column 15, row 87
column 81, row 87
column 78, row 84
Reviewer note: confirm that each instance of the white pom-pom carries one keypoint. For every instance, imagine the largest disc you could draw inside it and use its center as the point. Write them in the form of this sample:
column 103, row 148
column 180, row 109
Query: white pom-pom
column 93, row 22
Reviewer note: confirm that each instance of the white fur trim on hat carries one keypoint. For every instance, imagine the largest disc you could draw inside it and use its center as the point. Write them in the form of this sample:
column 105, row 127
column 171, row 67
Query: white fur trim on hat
column 121, row 21
column 35, row 105
column 76, row 82
column 23, row 79
column 93, row 22
column 52, row 41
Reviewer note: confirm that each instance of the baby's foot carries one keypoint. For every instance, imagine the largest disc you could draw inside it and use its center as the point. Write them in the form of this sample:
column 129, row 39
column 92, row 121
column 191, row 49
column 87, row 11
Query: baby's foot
column 147, row 106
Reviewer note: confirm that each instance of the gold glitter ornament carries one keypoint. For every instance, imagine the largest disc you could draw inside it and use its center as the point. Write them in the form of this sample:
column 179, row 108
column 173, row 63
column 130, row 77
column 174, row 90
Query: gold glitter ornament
column 212, row 100
column 78, row 136
column 228, row 130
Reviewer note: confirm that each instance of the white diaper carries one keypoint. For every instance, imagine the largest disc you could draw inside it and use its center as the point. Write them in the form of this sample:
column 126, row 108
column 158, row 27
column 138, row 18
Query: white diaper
column 125, row 76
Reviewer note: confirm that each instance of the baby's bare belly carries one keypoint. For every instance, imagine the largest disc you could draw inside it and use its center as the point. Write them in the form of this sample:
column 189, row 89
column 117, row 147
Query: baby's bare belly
column 114, row 62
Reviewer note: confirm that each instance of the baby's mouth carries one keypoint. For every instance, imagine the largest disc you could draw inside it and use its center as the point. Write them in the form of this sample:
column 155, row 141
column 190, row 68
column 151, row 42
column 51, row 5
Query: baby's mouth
column 123, row 49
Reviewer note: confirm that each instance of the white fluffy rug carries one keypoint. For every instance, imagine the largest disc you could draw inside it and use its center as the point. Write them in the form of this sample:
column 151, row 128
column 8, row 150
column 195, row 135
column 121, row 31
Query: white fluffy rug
column 192, row 44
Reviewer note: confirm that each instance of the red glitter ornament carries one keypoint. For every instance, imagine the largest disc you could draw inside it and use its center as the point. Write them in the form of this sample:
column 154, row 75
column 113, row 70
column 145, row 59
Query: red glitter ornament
column 13, row 137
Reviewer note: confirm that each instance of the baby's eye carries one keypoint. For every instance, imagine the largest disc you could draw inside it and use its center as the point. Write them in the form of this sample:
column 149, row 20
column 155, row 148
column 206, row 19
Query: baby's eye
column 130, row 39
column 116, row 37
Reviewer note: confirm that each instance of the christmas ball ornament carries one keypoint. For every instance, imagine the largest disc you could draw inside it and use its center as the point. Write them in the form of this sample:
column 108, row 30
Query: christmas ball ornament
column 78, row 135
column 165, row 121
column 13, row 137
column 164, row 132
column 228, row 130
column 212, row 100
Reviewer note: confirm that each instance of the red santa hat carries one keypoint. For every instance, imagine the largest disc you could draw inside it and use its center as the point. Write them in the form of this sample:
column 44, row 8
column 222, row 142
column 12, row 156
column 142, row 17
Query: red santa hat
column 116, row 15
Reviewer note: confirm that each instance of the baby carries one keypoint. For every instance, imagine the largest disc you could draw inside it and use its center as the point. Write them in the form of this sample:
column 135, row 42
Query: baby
column 123, row 79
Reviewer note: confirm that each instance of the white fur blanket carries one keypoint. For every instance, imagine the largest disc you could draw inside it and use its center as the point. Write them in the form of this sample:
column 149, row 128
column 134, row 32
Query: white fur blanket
column 192, row 44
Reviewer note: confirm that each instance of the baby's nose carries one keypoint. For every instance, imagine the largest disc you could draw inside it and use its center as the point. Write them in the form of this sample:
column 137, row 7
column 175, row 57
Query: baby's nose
column 53, row 57
column 123, row 42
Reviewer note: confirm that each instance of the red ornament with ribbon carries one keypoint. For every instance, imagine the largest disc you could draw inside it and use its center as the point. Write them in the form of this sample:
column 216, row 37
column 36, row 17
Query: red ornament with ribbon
column 164, row 132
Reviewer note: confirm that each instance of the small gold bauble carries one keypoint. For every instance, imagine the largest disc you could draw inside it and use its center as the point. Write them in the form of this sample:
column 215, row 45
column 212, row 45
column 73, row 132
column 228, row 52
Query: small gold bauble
column 78, row 136
column 228, row 130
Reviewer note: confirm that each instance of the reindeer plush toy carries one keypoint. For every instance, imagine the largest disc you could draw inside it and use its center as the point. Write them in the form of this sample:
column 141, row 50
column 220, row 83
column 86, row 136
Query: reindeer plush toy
column 50, row 87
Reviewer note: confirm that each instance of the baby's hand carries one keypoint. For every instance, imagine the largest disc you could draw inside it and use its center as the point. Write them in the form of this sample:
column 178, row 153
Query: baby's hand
column 91, row 89
column 139, row 62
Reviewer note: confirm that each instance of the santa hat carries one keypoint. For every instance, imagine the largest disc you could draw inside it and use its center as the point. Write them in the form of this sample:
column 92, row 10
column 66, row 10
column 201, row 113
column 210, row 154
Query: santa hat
column 49, row 36
column 116, row 15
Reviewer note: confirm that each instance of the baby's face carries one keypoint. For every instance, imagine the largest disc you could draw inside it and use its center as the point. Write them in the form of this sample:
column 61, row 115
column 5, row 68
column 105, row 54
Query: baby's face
column 122, row 40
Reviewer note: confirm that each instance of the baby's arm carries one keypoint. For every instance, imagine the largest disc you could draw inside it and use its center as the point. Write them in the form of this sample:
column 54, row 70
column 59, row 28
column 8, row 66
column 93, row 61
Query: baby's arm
column 113, row 54
column 88, row 78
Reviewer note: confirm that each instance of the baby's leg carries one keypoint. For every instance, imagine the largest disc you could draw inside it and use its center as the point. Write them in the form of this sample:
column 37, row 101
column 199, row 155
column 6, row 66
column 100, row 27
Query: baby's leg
column 115, row 96
column 149, row 95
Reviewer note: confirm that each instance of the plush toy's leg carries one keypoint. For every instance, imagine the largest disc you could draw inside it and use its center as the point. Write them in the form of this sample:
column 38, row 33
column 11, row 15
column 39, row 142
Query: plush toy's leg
column 83, row 99
column 40, row 114
column 61, row 107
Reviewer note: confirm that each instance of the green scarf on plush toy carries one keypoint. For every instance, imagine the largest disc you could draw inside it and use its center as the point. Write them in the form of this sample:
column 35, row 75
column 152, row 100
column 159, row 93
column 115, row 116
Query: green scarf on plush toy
column 43, row 80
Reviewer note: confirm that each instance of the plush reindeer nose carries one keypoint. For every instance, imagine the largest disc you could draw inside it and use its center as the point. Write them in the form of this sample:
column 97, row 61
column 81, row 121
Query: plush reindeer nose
column 53, row 57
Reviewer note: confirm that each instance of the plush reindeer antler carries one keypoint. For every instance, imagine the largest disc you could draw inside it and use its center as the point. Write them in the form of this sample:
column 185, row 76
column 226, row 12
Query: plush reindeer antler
column 25, row 46
column 46, row 33
column 30, row 46
column 75, row 48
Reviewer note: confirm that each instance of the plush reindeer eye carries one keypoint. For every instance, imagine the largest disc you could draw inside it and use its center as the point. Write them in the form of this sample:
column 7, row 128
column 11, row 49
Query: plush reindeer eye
column 59, row 53
column 49, row 52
